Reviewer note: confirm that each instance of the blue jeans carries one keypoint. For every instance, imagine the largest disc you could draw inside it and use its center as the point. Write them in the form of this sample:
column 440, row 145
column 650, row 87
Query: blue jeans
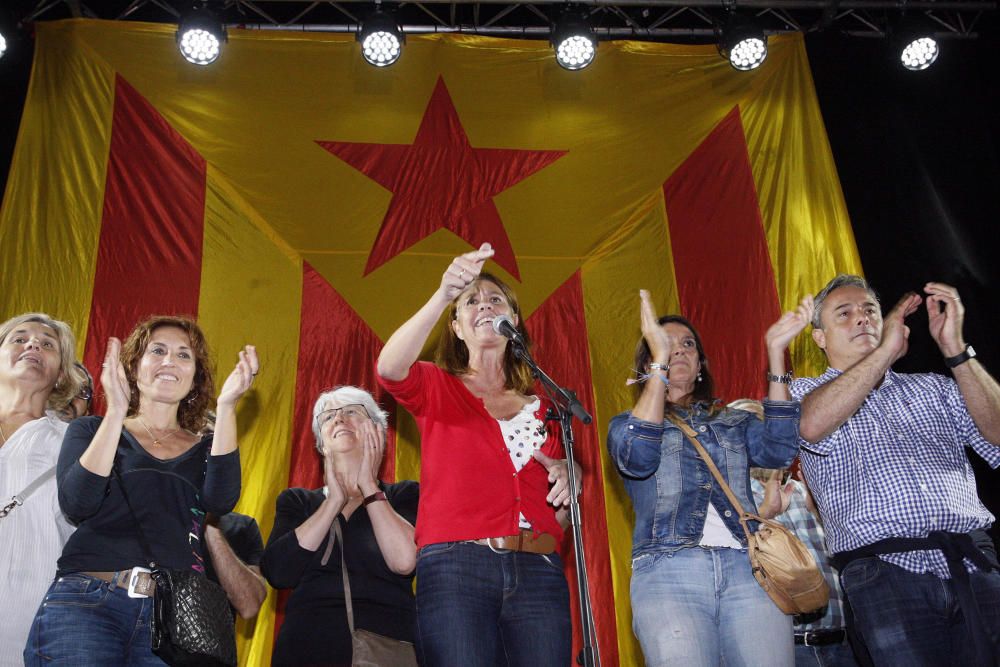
column 85, row 622
column 702, row 606
column 829, row 655
column 914, row 619
column 480, row 608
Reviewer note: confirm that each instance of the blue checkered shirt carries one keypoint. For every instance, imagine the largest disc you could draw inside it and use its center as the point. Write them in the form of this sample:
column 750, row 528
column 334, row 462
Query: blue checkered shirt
column 798, row 519
column 898, row 467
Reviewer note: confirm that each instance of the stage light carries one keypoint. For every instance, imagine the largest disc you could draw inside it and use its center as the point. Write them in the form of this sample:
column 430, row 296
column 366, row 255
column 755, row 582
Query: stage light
column 381, row 39
column 743, row 44
column 573, row 41
column 911, row 38
column 3, row 45
column 200, row 36
column 919, row 53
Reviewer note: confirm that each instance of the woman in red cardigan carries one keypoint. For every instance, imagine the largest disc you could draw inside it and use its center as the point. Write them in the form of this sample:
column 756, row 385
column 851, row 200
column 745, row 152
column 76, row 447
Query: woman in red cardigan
column 490, row 585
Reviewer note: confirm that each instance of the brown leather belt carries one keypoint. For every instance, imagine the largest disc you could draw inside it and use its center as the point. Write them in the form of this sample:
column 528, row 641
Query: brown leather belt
column 144, row 582
column 527, row 540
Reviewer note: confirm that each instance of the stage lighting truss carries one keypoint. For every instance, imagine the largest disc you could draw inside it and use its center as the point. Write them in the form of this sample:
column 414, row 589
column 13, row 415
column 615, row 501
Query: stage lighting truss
column 743, row 44
column 573, row 41
column 381, row 39
column 200, row 36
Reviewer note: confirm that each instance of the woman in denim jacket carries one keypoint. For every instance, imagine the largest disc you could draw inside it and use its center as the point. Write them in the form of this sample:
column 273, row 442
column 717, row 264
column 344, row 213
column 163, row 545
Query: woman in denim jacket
column 694, row 599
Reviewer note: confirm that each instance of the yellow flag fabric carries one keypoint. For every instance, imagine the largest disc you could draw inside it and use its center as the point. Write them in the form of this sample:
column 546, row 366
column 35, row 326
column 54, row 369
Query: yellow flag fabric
column 294, row 197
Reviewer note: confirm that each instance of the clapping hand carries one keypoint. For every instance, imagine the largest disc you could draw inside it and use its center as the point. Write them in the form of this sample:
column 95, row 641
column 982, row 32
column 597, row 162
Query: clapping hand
column 895, row 333
column 117, row 392
column 240, row 379
column 659, row 341
column 463, row 270
column 783, row 332
column 372, row 439
column 945, row 314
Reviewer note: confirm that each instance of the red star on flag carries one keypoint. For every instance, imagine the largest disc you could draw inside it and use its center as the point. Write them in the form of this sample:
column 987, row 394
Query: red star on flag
column 440, row 180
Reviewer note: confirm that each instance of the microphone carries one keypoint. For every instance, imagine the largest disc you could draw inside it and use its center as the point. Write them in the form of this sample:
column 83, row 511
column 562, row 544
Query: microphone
column 504, row 326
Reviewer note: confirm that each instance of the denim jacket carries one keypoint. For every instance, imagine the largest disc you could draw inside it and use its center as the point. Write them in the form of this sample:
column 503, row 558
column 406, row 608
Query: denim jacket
column 670, row 486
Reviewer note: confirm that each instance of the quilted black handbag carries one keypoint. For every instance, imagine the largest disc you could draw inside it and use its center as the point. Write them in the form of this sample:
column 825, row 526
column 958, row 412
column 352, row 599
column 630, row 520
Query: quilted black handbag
column 192, row 623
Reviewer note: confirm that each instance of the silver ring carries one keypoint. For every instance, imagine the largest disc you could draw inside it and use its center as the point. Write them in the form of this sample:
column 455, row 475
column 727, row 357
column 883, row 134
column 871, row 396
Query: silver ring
column 461, row 273
column 956, row 298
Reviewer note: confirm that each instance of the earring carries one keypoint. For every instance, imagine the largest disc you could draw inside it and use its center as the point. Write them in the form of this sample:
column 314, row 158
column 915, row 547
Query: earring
column 190, row 399
column 699, row 376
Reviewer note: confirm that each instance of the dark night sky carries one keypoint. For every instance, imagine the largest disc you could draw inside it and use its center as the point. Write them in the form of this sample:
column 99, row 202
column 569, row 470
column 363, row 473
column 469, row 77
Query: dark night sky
column 918, row 159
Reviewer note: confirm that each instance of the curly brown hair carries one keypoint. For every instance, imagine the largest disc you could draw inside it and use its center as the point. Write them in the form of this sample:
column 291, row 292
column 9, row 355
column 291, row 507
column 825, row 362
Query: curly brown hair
column 192, row 412
column 453, row 355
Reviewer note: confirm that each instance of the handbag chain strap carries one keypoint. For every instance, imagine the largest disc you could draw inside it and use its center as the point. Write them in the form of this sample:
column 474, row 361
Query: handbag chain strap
column 689, row 433
column 19, row 499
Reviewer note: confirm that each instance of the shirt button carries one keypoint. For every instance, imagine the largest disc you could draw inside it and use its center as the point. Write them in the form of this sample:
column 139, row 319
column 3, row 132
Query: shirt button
column 727, row 513
column 702, row 429
column 923, row 487
column 706, row 486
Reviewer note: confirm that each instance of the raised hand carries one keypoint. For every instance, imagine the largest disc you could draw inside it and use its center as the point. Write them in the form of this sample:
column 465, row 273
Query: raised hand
column 463, row 270
column 945, row 314
column 559, row 478
column 240, row 379
column 895, row 333
column 117, row 392
column 783, row 332
column 372, row 439
column 658, row 340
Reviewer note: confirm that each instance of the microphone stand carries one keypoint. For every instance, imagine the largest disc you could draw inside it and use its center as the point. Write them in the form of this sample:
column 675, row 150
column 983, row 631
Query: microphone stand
column 565, row 407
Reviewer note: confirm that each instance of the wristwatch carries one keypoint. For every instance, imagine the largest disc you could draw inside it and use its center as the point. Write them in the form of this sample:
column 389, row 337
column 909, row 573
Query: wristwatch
column 960, row 359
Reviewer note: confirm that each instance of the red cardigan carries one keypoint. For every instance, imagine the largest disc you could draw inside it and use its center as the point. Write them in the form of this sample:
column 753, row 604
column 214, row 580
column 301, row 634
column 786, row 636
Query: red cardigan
column 468, row 486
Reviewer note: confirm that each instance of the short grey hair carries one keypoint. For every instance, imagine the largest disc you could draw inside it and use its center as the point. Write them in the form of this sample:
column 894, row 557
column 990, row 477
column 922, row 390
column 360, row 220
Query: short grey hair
column 346, row 395
column 842, row 280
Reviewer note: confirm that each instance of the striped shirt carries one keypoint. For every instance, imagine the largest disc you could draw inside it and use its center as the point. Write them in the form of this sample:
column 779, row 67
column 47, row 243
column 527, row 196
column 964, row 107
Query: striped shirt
column 898, row 467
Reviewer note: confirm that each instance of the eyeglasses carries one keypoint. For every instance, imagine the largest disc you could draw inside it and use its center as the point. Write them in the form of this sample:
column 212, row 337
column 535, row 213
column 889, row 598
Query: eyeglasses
column 353, row 411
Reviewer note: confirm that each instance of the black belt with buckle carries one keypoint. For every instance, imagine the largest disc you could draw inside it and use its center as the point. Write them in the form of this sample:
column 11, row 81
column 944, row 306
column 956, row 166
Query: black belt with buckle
column 822, row 637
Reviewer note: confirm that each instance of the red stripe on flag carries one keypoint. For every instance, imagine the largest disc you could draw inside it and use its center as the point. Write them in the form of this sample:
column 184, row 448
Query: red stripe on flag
column 557, row 328
column 336, row 347
column 724, row 273
column 149, row 251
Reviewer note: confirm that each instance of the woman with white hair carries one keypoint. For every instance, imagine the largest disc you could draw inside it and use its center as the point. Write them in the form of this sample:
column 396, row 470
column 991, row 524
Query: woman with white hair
column 376, row 521
column 37, row 380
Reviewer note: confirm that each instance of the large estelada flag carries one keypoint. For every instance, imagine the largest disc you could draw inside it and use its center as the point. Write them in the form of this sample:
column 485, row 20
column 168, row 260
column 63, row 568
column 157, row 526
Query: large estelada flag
column 292, row 196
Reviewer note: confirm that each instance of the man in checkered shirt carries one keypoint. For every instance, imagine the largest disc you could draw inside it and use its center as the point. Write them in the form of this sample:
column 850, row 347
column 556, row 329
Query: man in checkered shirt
column 885, row 455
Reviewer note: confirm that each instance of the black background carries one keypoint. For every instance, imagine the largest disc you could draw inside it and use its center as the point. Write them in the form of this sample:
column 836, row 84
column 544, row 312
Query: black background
column 918, row 162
